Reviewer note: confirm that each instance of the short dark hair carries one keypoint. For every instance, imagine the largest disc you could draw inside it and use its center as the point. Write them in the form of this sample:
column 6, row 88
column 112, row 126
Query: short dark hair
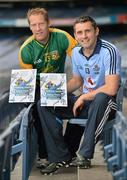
column 83, row 19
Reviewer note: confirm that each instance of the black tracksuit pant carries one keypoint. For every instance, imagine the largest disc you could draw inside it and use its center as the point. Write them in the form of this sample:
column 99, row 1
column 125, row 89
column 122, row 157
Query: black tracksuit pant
column 98, row 111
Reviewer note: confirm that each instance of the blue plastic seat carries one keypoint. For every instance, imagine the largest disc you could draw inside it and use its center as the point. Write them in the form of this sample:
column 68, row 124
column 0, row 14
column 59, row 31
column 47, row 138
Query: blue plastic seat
column 121, row 172
column 5, row 154
column 119, row 145
column 27, row 143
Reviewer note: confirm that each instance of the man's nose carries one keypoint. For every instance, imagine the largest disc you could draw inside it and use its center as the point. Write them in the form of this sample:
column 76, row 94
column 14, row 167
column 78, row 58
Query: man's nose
column 84, row 34
column 37, row 26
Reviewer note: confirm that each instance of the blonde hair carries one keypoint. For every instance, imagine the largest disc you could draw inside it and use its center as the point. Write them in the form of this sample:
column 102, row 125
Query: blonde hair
column 36, row 11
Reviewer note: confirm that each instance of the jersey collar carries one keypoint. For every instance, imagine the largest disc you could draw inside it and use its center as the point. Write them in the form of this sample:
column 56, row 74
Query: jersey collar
column 96, row 50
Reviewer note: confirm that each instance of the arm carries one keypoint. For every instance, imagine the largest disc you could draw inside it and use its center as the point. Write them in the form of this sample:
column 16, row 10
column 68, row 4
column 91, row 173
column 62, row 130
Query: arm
column 21, row 58
column 24, row 55
column 71, row 44
column 110, row 87
column 74, row 83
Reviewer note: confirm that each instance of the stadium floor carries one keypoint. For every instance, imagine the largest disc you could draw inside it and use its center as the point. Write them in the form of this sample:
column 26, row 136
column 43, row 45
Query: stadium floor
column 97, row 172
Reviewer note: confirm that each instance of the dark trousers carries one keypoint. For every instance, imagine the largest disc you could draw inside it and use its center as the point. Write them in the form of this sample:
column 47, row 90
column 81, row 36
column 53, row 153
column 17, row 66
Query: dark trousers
column 101, row 109
column 98, row 111
column 42, row 151
column 71, row 138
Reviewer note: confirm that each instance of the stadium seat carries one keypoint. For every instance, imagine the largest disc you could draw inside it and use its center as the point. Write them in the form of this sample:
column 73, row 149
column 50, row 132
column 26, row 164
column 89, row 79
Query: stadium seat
column 26, row 143
column 1, row 157
column 117, row 163
column 5, row 151
column 19, row 137
column 121, row 172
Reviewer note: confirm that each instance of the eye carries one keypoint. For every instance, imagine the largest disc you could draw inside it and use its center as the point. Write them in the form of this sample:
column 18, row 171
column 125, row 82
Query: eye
column 32, row 25
column 41, row 24
column 79, row 32
column 87, row 31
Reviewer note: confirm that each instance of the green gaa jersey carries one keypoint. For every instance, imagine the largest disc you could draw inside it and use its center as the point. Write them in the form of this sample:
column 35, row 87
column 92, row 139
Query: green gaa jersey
column 48, row 58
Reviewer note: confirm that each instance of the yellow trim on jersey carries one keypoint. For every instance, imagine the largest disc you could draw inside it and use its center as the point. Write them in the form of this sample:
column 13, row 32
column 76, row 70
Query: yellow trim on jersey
column 21, row 63
column 27, row 41
column 70, row 39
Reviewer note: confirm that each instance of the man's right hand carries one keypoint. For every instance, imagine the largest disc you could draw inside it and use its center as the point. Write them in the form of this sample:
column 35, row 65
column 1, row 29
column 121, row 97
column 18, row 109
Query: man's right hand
column 78, row 105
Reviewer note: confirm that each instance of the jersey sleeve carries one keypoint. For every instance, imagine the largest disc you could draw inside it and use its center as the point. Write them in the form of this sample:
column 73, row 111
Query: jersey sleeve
column 75, row 70
column 71, row 44
column 25, row 58
column 112, row 62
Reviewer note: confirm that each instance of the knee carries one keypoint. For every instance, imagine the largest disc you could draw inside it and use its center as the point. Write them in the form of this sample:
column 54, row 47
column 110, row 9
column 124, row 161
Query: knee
column 101, row 98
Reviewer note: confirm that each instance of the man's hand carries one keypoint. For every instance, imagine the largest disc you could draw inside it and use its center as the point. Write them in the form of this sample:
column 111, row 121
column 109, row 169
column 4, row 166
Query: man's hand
column 78, row 105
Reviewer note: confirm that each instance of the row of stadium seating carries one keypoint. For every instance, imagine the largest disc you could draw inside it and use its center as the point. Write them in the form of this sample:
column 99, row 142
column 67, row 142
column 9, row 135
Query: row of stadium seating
column 116, row 152
column 8, row 111
column 16, row 17
column 18, row 139
column 26, row 144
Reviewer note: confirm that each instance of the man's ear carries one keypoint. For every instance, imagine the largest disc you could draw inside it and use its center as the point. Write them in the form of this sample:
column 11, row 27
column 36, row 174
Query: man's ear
column 97, row 31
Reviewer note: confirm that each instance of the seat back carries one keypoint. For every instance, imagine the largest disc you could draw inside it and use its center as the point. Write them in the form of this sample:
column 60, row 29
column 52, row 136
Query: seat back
column 5, row 158
column 26, row 143
column 117, row 163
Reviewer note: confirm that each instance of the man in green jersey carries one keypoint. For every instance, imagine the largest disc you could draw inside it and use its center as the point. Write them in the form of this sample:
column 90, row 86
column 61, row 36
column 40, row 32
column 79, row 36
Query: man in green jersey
column 46, row 51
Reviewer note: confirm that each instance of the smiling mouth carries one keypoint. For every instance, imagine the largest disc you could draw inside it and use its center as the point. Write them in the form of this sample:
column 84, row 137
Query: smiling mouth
column 39, row 33
column 84, row 41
